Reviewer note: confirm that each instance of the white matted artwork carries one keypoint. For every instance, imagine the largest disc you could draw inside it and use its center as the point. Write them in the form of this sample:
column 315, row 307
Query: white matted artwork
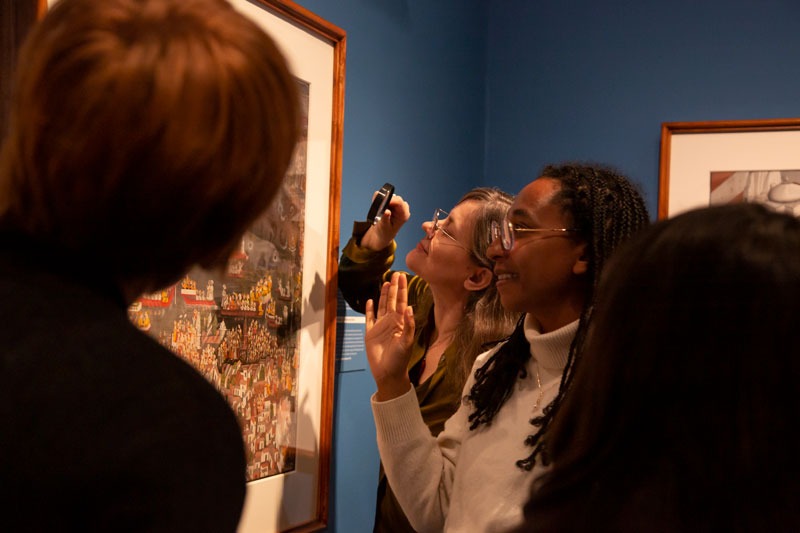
column 707, row 163
column 315, row 49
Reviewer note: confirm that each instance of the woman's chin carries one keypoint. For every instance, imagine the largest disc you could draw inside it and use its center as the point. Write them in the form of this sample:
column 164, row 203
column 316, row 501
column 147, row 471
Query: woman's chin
column 413, row 260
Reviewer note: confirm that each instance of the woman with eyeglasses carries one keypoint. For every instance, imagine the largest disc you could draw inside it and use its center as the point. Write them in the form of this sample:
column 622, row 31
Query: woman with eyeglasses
column 457, row 308
column 548, row 252
column 694, row 408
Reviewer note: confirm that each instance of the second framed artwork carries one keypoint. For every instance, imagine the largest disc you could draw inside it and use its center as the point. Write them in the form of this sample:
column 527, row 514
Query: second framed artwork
column 707, row 163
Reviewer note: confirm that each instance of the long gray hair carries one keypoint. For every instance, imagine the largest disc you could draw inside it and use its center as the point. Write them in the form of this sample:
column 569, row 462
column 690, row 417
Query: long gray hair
column 485, row 320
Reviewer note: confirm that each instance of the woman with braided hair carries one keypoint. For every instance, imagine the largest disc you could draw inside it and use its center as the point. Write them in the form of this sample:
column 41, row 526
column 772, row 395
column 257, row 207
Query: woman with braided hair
column 549, row 252
column 685, row 419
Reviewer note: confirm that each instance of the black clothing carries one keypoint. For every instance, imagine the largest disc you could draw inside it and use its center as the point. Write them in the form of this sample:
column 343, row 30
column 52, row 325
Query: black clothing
column 101, row 427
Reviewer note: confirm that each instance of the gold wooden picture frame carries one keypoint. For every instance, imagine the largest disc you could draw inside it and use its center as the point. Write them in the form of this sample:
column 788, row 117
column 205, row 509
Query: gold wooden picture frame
column 316, row 50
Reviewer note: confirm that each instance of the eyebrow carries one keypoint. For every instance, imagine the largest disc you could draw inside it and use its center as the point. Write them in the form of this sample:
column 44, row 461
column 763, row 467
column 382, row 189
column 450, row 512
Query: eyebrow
column 518, row 212
column 532, row 219
column 450, row 219
column 524, row 214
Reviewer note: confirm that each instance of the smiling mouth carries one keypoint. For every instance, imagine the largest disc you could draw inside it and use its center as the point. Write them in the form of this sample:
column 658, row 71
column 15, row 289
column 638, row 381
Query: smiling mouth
column 505, row 276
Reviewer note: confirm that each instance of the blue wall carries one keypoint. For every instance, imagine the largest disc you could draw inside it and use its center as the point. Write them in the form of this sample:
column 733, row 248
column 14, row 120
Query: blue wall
column 581, row 79
column 444, row 95
column 414, row 102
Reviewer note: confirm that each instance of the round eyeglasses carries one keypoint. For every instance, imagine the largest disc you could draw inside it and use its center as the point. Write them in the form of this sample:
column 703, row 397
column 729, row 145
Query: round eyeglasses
column 506, row 231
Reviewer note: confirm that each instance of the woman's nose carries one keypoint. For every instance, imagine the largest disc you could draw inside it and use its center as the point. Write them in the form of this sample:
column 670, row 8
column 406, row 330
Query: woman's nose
column 427, row 227
column 495, row 249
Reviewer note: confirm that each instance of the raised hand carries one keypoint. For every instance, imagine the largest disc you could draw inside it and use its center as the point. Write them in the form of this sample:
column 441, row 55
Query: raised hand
column 388, row 339
column 383, row 233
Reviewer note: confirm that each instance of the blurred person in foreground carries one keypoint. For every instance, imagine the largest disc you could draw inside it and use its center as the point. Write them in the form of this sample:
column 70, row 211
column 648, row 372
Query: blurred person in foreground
column 145, row 137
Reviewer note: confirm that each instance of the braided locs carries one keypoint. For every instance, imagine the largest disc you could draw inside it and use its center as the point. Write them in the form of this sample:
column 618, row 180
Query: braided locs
column 494, row 381
column 606, row 209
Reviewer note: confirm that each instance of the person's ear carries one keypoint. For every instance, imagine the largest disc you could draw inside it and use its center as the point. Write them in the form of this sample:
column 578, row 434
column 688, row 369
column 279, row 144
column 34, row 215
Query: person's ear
column 581, row 265
column 480, row 278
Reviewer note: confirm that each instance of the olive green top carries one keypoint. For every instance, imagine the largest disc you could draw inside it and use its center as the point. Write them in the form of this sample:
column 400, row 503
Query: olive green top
column 361, row 274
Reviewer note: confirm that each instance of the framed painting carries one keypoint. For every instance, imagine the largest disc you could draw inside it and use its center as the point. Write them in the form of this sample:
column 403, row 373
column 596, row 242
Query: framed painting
column 707, row 163
column 300, row 244
column 263, row 332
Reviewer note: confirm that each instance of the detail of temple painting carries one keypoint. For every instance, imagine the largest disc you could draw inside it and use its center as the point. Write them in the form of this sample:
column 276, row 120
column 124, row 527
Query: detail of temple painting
column 241, row 328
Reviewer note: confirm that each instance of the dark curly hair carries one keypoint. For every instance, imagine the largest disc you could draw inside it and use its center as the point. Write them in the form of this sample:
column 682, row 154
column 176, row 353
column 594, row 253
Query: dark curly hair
column 606, row 209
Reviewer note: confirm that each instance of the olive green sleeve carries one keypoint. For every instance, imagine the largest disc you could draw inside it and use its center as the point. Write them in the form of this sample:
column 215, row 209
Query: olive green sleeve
column 362, row 272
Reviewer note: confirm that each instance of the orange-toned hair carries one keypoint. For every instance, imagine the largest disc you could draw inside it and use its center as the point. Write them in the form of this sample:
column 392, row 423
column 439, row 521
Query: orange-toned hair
column 146, row 133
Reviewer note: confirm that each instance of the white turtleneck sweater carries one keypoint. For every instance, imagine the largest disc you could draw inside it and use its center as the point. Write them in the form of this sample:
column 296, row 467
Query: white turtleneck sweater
column 466, row 480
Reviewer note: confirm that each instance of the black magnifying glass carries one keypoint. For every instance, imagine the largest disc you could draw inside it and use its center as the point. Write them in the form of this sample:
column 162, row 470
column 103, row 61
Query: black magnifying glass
column 379, row 204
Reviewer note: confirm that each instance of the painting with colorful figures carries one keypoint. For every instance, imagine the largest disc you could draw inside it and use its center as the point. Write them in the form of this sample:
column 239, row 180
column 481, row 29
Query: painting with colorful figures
column 241, row 328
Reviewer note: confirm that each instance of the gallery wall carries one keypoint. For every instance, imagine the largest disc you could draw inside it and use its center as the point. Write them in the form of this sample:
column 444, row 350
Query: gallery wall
column 445, row 95
column 595, row 80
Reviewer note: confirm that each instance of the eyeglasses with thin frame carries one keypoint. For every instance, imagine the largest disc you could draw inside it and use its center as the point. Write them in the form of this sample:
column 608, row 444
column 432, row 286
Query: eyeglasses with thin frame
column 506, row 231
column 438, row 216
